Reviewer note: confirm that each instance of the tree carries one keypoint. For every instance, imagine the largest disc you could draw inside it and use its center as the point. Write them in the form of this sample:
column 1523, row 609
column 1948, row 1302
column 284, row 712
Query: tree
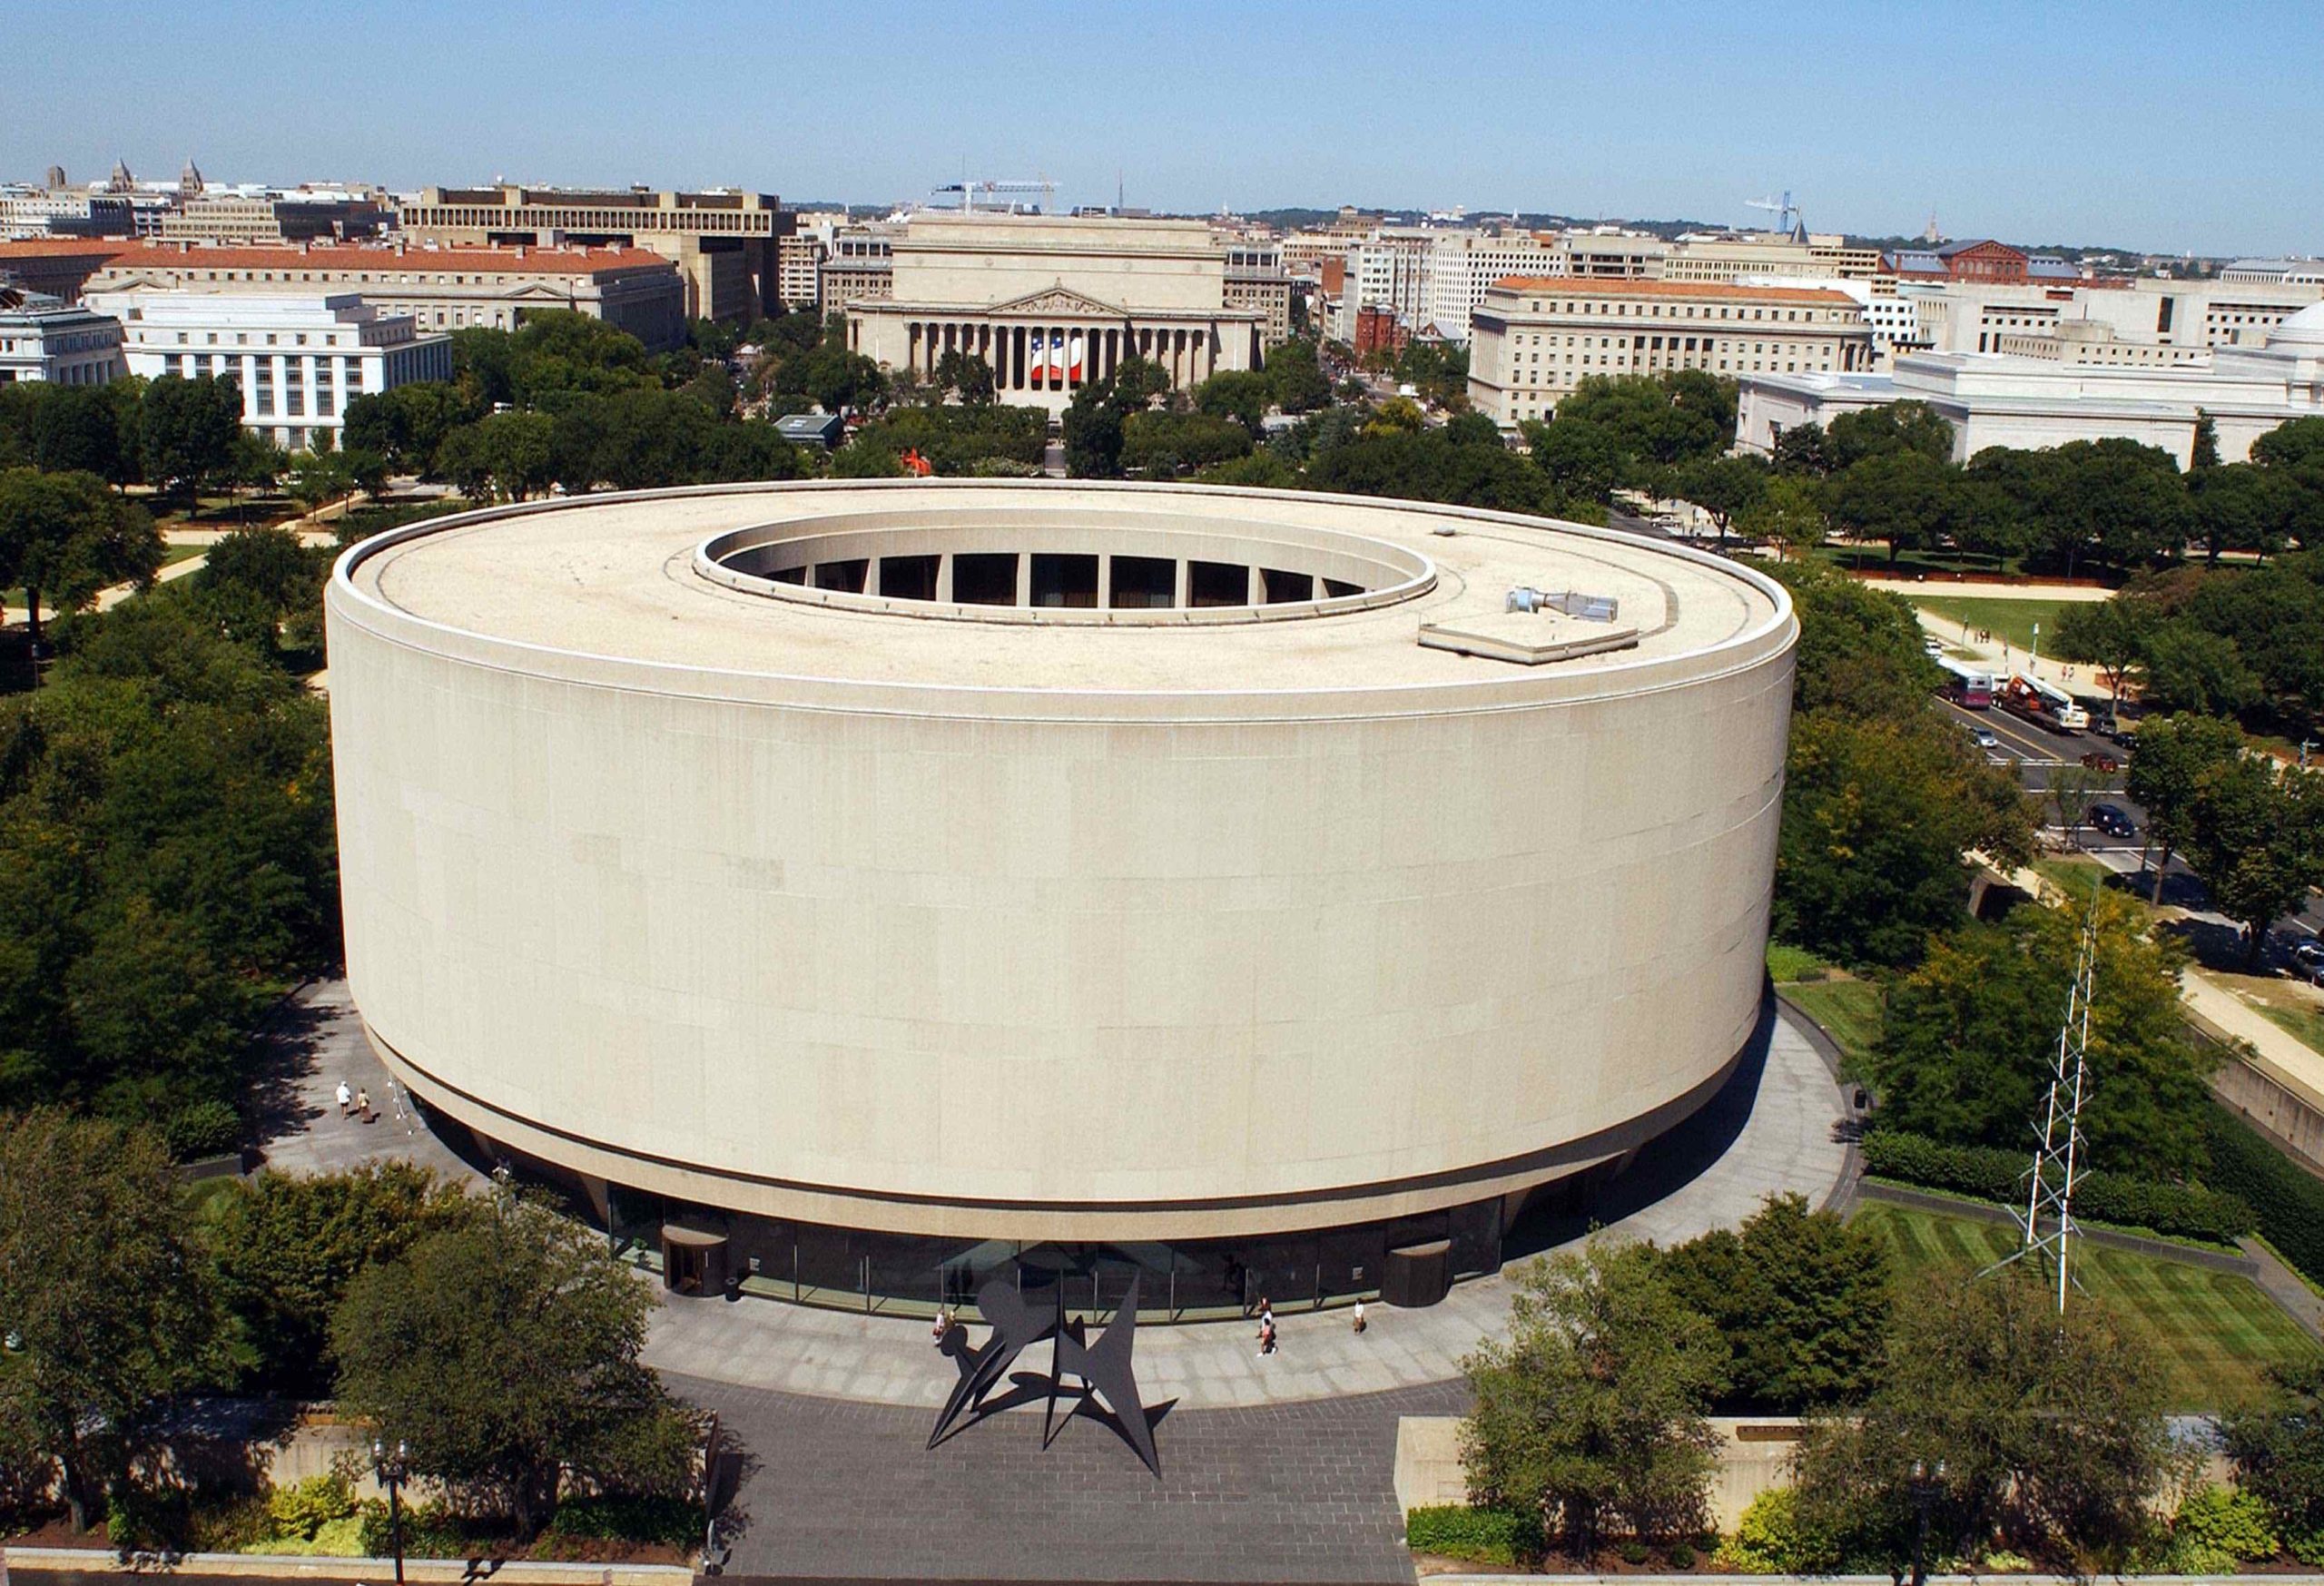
column 254, row 581
column 2048, row 1430
column 65, row 536
column 1591, row 1411
column 109, row 1310
column 1721, row 486
column 2242, row 507
column 1883, row 795
column 2186, row 667
column 1093, row 420
column 190, row 431
column 510, row 456
column 965, row 375
column 2278, row 1448
column 1802, row 1299
column 1161, row 445
column 2254, row 834
column 2172, row 759
column 2072, row 790
column 2110, row 634
column 286, row 1247
column 1242, row 395
column 1884, row 431
column 504, row 1351
column 1295, row 377
column 1787, row 514
column 1901, row 495
column 404, row 424
column 1971, row 1031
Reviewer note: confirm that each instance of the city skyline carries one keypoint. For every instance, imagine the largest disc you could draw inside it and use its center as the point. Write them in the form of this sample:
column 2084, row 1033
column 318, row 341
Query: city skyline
column 2061, row 125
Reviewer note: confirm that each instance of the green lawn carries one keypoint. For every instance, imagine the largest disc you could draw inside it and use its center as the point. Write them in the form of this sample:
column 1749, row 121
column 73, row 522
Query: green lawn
column 2214, row 1331
column 2074, row 876
column 1849, row 1012
column 2010, row 621
column 2305, row 1023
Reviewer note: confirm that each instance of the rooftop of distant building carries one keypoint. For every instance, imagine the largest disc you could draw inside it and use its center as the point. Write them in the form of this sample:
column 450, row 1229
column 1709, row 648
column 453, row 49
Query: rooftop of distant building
column 512, row 259
column 1707, row 291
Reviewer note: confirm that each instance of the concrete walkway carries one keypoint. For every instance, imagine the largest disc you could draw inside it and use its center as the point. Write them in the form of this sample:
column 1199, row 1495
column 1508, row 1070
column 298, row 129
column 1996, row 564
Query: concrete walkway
column 2283, row 1054
column 1770, row 1131
column 1935, row 589
column 314, row 1040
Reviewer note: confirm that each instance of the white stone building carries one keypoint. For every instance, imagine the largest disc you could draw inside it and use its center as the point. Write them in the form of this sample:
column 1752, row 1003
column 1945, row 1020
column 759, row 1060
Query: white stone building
column 2005, row 400
column 42, row 338
column 299, row 361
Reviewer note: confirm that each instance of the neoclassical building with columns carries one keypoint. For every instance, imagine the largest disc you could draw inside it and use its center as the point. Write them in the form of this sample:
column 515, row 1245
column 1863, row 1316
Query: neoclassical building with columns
column 1053, row 303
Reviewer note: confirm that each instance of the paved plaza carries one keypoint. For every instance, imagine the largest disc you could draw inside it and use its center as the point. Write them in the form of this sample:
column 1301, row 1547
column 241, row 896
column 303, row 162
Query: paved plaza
column 1278, row 1469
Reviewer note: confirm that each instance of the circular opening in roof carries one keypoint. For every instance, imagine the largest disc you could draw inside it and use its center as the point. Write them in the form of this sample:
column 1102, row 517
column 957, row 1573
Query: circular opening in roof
column 1081, row 566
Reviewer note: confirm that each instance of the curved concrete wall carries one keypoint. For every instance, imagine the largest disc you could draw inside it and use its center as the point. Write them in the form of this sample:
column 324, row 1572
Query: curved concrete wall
column 972, row 969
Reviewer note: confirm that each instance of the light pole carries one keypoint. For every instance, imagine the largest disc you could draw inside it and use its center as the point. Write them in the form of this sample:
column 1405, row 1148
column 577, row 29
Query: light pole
column 1924, row 1485
column 393, row 1470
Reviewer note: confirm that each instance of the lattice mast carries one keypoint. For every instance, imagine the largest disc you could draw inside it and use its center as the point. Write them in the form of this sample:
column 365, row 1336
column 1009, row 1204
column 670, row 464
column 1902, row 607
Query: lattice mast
column 2049, row 1194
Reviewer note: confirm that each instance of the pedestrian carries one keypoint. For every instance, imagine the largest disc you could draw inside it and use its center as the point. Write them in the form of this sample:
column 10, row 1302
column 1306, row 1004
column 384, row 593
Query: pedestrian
column 943, row 1325
column 1266, row 1335
column 363, row 1103
column 346, row 1098
column 1356, row 1321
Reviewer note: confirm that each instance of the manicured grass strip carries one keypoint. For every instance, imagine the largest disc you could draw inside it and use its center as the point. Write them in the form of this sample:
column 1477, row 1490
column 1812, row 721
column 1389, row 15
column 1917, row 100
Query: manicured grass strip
column 2010, row 621
column 2304, row 1023
column 1849, row 1012
column 2214, row 1331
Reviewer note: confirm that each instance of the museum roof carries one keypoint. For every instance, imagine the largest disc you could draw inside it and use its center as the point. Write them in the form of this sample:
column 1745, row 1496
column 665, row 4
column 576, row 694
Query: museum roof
column 608, row 589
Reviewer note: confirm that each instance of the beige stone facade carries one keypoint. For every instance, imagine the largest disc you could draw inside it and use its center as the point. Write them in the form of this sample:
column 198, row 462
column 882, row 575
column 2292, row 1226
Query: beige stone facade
column 779, row 849
column 441, row 289
column 1535, row 340
column 1053, row 303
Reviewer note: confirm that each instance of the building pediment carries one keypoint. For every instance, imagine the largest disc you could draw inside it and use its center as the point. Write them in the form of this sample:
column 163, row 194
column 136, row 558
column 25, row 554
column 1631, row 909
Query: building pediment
column 1060, row 300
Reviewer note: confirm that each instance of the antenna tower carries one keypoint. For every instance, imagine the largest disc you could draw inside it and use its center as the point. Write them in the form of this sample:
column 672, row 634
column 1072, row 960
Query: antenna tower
column 2047, row 1222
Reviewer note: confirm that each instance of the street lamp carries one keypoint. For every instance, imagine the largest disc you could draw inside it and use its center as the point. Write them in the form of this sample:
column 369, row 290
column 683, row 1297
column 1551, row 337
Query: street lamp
column 393, row 1470
column 1922, row 1485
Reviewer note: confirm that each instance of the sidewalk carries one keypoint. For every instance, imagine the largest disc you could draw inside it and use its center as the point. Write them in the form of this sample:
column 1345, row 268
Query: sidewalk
column 309, row 530
column 2004, row 659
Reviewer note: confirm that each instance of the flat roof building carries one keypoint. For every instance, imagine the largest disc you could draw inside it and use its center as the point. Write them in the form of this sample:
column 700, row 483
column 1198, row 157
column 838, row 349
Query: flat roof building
column 722, row 241
column 1534, row 339
column 299, row 360
column 881, row 879
column 440, row 288
column 45, row 339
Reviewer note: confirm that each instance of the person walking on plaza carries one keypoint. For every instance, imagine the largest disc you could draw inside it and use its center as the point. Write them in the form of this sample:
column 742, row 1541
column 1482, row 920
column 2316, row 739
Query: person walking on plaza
column 346, row 1098
column 1356, row 1320
column 1266, row 1335
column 363, row 1103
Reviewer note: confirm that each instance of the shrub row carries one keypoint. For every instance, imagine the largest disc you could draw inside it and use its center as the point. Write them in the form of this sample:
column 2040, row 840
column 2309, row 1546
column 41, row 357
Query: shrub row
column 1480, row 1536
column 2289, row 1201
column 1990, row 1174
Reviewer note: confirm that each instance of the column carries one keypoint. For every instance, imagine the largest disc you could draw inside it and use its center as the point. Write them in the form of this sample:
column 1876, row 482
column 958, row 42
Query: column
column 944, row 577
column 1257, row 586
column 1025, row 578
column 1105, row 580
column 1182, row 592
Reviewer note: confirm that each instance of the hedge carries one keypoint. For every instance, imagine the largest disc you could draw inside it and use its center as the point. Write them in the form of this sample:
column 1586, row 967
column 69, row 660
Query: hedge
column 1987, row 1173
column 1480, row 1536
column 2290, row 1200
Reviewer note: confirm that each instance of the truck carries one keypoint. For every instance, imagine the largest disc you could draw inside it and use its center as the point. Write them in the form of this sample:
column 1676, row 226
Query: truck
column 1965, row 686
column 2046, row 704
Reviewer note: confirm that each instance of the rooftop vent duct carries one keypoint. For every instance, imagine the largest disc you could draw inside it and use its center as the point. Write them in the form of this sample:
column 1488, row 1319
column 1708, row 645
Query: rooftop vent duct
column 1565, row 602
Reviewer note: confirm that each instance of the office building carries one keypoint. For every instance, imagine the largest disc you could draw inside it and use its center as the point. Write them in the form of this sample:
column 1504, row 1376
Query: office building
column 440, row 288
column 1533, row 340
column 46, row 338
column 300, row 360
column 721, row 241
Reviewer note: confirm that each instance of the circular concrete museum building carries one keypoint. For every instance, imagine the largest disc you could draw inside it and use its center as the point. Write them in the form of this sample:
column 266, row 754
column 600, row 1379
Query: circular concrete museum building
column 851, row 888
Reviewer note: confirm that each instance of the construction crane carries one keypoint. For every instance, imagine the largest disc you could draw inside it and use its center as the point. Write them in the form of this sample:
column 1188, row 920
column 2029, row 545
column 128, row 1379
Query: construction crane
column 1787, row 213
column 992, row 187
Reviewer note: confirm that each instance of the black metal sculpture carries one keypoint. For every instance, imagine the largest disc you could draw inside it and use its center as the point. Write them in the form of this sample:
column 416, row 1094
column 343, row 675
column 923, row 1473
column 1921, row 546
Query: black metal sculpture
column 1103, row 1370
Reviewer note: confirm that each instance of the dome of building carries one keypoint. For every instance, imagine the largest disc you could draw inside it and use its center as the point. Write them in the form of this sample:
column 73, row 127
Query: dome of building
column 2305, row 328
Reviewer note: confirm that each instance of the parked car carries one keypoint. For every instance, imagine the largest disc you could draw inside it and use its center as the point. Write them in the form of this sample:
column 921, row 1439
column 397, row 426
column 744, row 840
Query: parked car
column 2110, row 819
column 2101, row 760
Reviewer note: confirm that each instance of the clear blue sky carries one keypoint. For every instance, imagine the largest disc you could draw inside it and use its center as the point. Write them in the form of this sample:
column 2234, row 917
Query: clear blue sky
column 2186, row 126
